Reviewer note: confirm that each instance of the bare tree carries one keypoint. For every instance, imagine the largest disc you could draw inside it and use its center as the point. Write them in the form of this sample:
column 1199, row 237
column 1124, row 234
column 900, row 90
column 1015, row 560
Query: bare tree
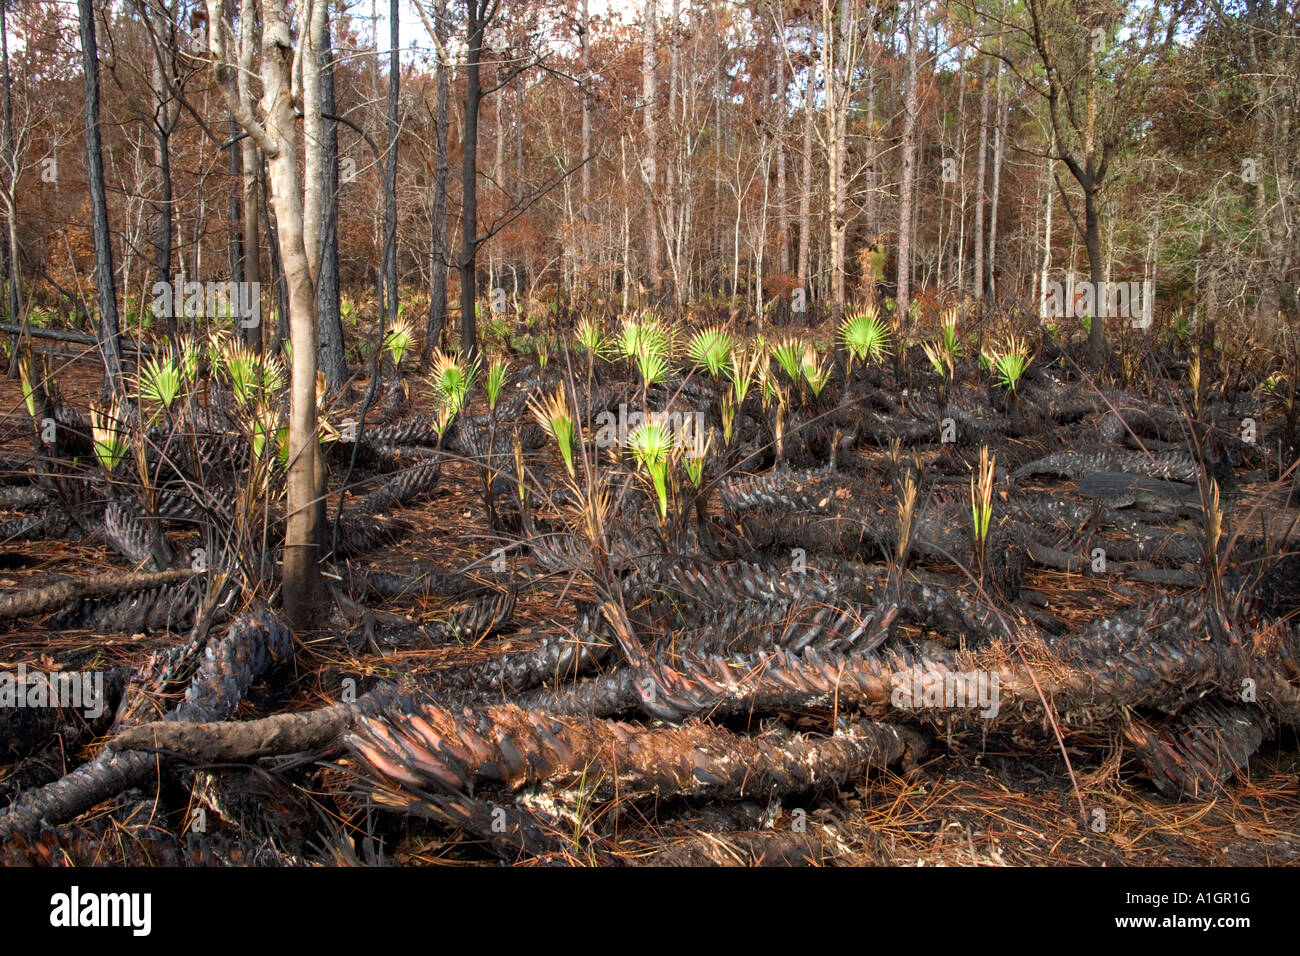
column 106, row 293
column 903, row 298
column 276, row 134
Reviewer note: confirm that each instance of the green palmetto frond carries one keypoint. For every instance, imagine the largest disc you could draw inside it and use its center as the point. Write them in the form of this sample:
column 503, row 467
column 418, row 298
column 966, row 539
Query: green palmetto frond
column 1010, row 362
column 743, row 370
column 651, row 444
column 26, row 374
column 642, row 337
column 250, row 375
column 399, row 340
column 789, row 355
column 451, row 378
column 710, row 349
column 934, row 352
column 693, row 464
column 495, row 381
column 981, row 498
column 816, row 373
column 950, row 340
column 864, row 335
column 590, row 337
column 108, row 431
column 266, row 426
column 557, row 421
column 190, row 354
column 160, row 382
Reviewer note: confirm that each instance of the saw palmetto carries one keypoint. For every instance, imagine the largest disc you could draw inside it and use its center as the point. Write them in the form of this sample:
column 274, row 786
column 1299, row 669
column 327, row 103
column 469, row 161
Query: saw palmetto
column 109, row 434
column 160, row 381
column 399, row 340
column 451, row 378
column 553, row 415
column 710, row 349
column 864, row 335
column 494, row 381
column 651, row 445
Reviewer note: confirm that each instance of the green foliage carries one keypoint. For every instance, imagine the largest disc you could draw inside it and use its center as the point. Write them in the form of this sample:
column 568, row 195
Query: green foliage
column 864, row 335
column 495, row 381
column 557, row 421
column 710, row 349
column 789, row 355
column 160, row 382
column 651, row 444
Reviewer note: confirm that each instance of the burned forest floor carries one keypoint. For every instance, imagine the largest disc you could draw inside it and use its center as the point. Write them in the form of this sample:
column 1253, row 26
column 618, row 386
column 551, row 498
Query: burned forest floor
column 738, row 675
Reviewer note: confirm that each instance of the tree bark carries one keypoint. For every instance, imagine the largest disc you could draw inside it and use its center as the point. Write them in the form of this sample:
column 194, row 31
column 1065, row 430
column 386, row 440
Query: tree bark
column 390, row 166
column 332, row 359
column 107, row 295
column 441, row 252
column 474, row 27
column 649, row 87
column 980, row 168
column 903, row 299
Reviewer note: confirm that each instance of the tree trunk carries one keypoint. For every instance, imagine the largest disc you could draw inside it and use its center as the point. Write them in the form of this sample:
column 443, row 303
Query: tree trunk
column 332, row 359
column 441, row 257
column 805, row 183
column 390, row 166
column 980, row 167
column 469, row 178
column 999, row 134
column 649, row 86
column 107, row 295
column 11, row 190
column 903, row 299
column 252, row 166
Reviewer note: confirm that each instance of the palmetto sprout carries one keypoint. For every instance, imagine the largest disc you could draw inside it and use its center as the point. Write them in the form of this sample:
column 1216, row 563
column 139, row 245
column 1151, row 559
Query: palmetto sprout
column 108, row 431
column 29, row 392
column 864, row 335
column 651, row 444
column 266, row 425
column 190, row 353
column 693, row 464
column 590, row 337
column 399, row 339
column 789, row 355
column 451, row 379
column 495, row 381
column 246, row 371
column 815, row 373
column 1010, row 362
column 934, row 352
column 710, row 349
column 645, row 343
column 728, row 411
column 556, row 420
column 981, row 500
column 950, row 340
column 160, row 382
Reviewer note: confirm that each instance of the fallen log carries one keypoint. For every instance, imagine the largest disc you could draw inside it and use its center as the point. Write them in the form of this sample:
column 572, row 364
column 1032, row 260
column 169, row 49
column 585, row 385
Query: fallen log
column 80, row 338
